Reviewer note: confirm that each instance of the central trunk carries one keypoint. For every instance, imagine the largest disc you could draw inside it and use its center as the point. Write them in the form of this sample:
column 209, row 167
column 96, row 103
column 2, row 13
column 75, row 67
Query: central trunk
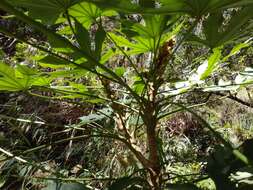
column 152, row 145
column 154, row 159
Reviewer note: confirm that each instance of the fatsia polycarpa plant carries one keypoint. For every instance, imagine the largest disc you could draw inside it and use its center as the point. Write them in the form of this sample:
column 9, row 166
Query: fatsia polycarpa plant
column 144, row 36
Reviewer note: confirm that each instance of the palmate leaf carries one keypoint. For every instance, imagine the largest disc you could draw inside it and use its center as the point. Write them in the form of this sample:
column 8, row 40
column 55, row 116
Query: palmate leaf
column 144, row 37
column 20, row 78
column 234, row 30
column 198, row 8
column 46, row 10
column 49, row 10
column 9, row 81
column 195, row 8
column 118, row 5
column 84, row 40
column 87, row 13
column 152, row 28
column 215, row 5
column 216, row 34
column 135, row 48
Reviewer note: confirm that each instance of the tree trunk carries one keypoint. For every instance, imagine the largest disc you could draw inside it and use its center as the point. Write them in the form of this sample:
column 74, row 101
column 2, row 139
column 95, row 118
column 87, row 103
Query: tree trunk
column 152, row 145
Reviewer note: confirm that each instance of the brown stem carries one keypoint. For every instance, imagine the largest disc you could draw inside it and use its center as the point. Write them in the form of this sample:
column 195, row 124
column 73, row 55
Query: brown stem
column 153, row 158
column 152, row 145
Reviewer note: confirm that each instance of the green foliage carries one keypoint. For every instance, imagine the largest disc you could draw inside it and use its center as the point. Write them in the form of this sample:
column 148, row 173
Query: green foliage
column 131, row 65
column 216, row 34
column 46, row 10
column 20, row 79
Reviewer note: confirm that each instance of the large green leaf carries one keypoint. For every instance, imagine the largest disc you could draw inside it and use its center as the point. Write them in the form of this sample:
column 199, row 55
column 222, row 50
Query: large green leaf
column 135, row 48
column 87, row 13
column 119, row 5
column 211, row 63
column 20, row 78
column 146, row 36
column 49, row 10
column 143, row 37
column 234, row 29
column 215, row 5
column 9, row 80
column 46, row 10
column 154, row 26
column 217, row 34
column 195, row 8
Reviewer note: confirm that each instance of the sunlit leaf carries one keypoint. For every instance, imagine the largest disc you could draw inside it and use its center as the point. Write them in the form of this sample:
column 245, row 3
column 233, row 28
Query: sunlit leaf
column 120, row 71
column 87, row 13
column 46, row 10
column 9, row 81
column 212, row 63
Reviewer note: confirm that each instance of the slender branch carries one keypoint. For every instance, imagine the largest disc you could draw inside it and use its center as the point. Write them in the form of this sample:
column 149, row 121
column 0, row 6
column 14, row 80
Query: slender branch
column 72, row 92
column 234, row 98
column 12, row 155
column 189, row 107
column 78, row 103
